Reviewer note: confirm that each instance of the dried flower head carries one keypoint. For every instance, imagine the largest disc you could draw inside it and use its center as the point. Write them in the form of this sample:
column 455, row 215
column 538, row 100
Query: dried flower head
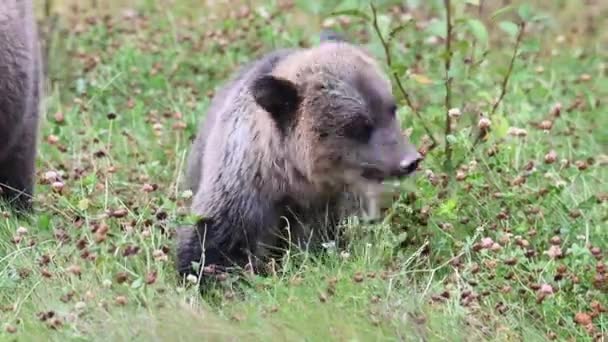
column 517, row 132
column 484, row 123
column 454, row 113
column 551, row 157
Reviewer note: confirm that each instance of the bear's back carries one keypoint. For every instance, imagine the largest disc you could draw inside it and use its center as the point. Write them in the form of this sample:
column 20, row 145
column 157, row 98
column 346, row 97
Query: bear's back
column 227, row 109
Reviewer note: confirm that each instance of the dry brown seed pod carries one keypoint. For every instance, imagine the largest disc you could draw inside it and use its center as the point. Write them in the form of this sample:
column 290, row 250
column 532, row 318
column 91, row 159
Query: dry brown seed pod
column 484, row 123
column 461, row 175
column 59, row 117
column 21, row 231
column 519, row 180
column 57, row 187
column 454, row 113
column 119, row 213
column 545, row 125
column 517, row 132
column 554, row 252
column 75, row 270
column 121, row 300
column 46, row 273
column 151, row 277
column 551, row 157
column 581, row 165
column 575, row 213
column 52, row 139
column 148, row 187
column 556, row 110
column 585, row 77
column 582, row 318
column 358, row 277
column 122, row 277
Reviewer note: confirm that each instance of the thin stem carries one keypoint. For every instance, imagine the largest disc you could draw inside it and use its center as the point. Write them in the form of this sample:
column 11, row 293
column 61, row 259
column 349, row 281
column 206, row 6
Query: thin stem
column 503, row 88
column 48, row 26
column 400, row 86
column 505, row 80
column 448, row 84
column 48, row 4
column 479, row 14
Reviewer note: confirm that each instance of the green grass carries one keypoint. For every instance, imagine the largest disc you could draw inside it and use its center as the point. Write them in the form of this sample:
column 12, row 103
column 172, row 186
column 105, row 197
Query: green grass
column 462, row 255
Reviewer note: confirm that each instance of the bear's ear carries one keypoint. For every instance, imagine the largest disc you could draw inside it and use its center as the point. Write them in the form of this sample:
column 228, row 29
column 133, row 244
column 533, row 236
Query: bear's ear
column 279, row 97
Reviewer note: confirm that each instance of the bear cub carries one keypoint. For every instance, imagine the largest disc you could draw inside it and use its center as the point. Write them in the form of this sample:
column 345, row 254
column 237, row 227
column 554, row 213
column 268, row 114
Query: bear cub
column 289, row 147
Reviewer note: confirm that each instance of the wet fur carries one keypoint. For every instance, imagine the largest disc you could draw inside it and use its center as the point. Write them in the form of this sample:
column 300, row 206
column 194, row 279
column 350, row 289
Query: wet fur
column 256, row 177
column 20, row 93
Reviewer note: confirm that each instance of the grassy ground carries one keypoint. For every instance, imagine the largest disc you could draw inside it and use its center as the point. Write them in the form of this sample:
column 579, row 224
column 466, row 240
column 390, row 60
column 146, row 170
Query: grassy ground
column 511, row 245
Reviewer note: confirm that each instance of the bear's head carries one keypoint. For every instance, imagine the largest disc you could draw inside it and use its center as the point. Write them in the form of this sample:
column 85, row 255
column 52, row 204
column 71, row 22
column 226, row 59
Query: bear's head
column 334, row 109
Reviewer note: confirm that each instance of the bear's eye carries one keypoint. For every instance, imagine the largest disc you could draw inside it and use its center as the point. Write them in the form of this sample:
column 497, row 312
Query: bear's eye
column 359, row 130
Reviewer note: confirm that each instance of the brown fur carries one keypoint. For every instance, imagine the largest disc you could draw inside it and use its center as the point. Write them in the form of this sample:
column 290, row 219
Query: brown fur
column 295, row 135
column 20, row 92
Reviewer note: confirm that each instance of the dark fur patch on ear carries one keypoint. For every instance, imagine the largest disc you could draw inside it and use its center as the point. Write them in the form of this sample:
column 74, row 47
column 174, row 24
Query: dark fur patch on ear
column 277, row 96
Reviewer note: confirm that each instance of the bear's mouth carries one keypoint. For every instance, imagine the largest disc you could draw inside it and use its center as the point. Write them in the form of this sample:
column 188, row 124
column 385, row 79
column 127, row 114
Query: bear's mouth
column 374, row 174
column 377, row 175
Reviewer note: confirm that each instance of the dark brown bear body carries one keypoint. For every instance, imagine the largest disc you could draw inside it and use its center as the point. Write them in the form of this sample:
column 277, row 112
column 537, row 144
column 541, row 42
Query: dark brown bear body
column 291, row 141
column 20, row 88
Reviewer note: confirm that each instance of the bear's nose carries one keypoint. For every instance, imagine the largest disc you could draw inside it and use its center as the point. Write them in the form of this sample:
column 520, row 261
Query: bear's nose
column 409, row 164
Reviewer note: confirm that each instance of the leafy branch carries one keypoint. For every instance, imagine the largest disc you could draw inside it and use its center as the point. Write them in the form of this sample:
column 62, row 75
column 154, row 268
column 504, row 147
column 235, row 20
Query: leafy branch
column 505, row 82
column 389, row 62
column 448, row 81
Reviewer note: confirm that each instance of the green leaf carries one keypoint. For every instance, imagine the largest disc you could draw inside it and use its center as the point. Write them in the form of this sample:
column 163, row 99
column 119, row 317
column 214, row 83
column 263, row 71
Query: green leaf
column 137, row 283
column 402, row 237
column 525, row 12
column 398, row 29
column 44, row 222
column 89, row 180
column 413, row 4
column 473, row 2
column 351, row 13
column 540, row 17
column 437, row 28
column 348, row 5
column 457, row 71
column 500, row 126
column 479, row 31
column 521, row 229
column 381, row 5
column 83, row 204
column 81, row 86
column 461, row 46
column 384, row 23
column 448, row 207
column 501, row 11
column 530, row 45
column 312, row 7
column 509, row 27
column 458, row 21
